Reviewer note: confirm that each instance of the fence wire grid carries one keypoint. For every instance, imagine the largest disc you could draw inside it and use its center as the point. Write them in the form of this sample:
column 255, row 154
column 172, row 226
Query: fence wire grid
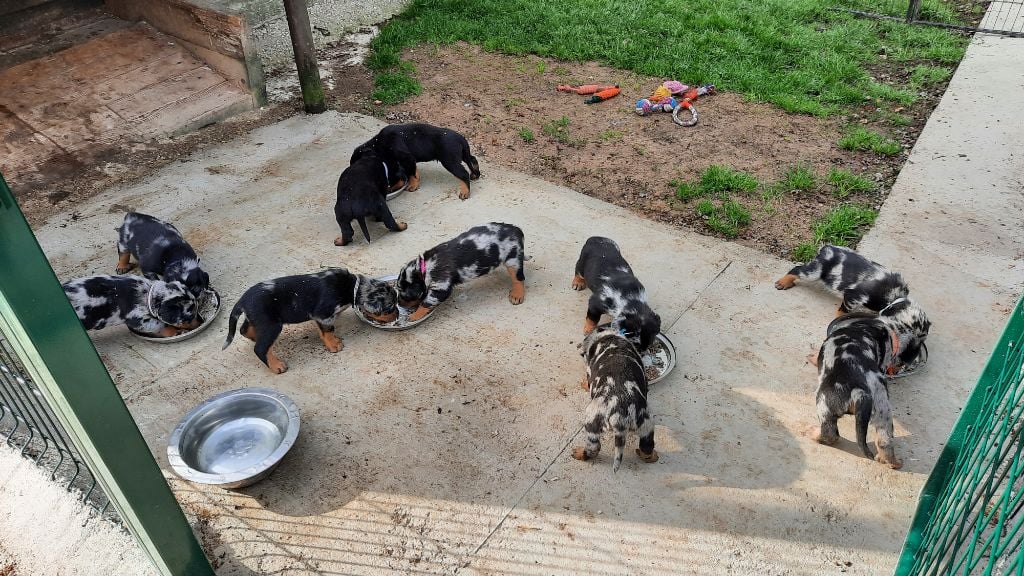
column 29, row 426
column 1003, row 17
column 969, row 520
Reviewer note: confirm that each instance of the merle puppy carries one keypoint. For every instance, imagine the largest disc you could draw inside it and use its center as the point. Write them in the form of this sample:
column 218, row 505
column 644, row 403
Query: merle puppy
column 411, row 143
column 618, row 396
column 429, row 279
column 858, row 352
column 362, row 191
column 160, row 250
column 148, row 307
column 319, row 297
column 865, row 285
column 615, row 291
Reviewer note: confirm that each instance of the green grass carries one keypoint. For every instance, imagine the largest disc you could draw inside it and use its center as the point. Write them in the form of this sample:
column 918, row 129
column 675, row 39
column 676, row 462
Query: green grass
column 727, row 218
column 610, row 135
column 796, row 54
column 863, row 139
column 845, row 183
column 842, row 226
column 394, row 87
column 526, row 134
column 924, row 76
column 799, row 178
column 716, row 180
column 541, row 67
column 559, row 130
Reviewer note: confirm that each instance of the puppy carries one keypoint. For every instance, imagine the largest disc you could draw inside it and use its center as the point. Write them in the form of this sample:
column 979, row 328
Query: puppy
column 429, row 279
column 412, row 143
column 865, row 285
column 853, row 362
column 615, row 291
column 148, row 307
column 618, row 396
column 319, row 297
column 362, row 191
column 160, row 250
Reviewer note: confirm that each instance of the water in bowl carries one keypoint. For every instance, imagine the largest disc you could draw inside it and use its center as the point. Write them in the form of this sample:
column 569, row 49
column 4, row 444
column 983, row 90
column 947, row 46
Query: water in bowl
column 237, row 445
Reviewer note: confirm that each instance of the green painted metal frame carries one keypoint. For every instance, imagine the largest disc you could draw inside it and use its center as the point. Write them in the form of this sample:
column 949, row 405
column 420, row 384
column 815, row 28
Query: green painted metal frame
column 983, row 450
column 46, row 334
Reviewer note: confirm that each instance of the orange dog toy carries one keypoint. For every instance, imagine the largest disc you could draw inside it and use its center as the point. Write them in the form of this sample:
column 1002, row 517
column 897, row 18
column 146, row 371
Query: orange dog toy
column 582, row 90
column 603, row 95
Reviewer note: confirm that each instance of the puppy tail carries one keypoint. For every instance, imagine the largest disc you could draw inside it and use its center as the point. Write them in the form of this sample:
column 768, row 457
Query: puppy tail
column 232, row 323
column 863, row 406
column 362, row 226
column 620, row 443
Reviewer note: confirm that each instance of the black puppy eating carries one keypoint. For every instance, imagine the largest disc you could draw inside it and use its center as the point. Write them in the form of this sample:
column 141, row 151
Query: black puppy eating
column 864, row 284
column 149, row 307
column 319, row 297
column 615, row 291
column 429, row 279
column 160, row 250
column 408, row 144
column 853, row 362
column 618, row 396
column 362, row 191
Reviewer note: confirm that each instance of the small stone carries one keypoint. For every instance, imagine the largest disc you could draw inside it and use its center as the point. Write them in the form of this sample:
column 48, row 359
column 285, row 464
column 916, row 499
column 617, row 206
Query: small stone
column 377, row 102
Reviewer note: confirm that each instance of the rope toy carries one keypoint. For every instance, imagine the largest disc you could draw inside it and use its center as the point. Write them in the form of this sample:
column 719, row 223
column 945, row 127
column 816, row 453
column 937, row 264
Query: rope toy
column 599, row 91
column 687, row 103
column 672, row 96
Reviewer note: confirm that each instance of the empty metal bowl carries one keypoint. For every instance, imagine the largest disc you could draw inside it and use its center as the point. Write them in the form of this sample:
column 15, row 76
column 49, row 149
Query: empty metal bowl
column 234, row 439
column 209, row 307
column 400, row 323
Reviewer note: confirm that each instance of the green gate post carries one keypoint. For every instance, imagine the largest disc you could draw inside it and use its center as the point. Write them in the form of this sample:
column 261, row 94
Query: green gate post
column 60, row 357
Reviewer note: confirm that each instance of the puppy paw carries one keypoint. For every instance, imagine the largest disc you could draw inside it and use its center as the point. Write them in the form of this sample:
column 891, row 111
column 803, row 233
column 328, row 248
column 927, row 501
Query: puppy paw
column 648, row 458
column 578, row 283
column 516, row 297
column 333, row 343
column 414, row 184
column 124, row 269
column 585, row 383
column 786, row 282
column 812, row 359
column 463, row 191
column 339, row 241
column 277, row 366
column 580, row 453
column 402, row 226
column 814, row 433
column 889, row 459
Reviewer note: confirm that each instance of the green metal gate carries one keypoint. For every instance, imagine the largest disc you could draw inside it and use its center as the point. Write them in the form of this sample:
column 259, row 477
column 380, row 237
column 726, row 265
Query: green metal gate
column 969, row 518
column 49, row 343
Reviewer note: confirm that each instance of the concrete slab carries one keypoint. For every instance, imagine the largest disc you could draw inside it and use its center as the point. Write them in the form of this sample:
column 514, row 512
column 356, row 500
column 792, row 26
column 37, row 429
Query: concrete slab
column 445, row 446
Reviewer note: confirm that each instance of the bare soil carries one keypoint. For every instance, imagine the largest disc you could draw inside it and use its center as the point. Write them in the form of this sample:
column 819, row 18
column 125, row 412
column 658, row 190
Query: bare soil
column 605, row 151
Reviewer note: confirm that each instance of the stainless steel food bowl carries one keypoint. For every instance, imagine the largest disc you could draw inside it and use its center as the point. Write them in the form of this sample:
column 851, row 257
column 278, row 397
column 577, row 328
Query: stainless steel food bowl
column 234, row 439
column 670, row 350
column 209, row 307
column 401, row 323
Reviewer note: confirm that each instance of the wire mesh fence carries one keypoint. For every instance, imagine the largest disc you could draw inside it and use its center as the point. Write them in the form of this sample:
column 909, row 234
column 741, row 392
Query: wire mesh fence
column 29, row 426
column 1004, row 17
column 969, row 519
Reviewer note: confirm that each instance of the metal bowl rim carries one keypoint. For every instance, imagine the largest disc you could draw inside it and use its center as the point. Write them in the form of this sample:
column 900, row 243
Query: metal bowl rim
column 359, row 313
column 671, row 357
column 395, row 194
column 172, row 339
column 238, row 478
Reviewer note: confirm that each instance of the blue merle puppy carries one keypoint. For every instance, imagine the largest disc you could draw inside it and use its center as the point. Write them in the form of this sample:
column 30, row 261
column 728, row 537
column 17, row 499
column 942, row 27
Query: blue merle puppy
column 319, row 297
column 864, row 284
column 858, row 353
column 618, row 396
column 429, row 279
column 160, row 250
column 615, row 291
column 148, row 307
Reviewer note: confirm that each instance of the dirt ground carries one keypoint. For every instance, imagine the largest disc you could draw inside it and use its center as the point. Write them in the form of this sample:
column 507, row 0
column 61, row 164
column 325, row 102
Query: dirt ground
column 607, row 151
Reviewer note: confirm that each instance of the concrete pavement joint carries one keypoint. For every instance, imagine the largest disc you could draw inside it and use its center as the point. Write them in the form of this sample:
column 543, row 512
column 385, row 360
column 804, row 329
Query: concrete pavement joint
column 697, row 297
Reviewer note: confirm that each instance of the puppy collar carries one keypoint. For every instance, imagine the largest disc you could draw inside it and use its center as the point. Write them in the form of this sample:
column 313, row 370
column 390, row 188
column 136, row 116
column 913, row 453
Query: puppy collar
column 423, row 266
column 387, row 178
column 891, row 369
column 891, row 304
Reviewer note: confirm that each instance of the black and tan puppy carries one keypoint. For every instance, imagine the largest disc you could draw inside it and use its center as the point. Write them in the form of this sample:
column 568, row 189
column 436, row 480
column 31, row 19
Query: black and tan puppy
column 148, row 307
column 615, row 291
column 858, row 352
column 319, row 297
column 429, row 279
column 411, row 143
column 362, row 191
column 160, row 250
column 865, row 285
column 618, row 396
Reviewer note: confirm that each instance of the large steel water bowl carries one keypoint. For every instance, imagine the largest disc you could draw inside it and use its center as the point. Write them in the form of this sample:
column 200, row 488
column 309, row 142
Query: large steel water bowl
column 234, row 439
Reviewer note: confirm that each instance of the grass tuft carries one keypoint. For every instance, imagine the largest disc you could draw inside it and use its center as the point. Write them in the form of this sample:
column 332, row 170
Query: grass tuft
column 805, row 252
column 923, row 76
column 559, row 130
column 843, row 225
column 845, row 183
column 526, row 134
column 727, row 219
column 863, row 139
column 799, row 178
column 394, row 87
column 716, row 180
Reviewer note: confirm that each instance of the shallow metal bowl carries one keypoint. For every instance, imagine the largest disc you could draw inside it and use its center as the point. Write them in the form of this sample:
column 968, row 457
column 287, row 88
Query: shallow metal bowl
column 234, row 439
column 209, row 307
column 402, row 322
column 395, row 194
column 669, row 357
